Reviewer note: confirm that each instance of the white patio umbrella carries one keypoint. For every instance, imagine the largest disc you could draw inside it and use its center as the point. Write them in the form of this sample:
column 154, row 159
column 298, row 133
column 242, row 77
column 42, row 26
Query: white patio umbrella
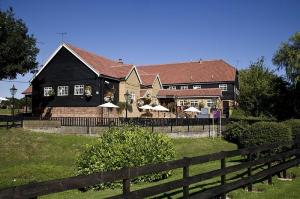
column 160, row 108
column 3, row 99
column 108, row 105
column 146, row 107
column 192, row 109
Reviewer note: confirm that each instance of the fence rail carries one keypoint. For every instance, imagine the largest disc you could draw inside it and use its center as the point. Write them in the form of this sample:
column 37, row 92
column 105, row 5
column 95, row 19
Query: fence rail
column 270, row 165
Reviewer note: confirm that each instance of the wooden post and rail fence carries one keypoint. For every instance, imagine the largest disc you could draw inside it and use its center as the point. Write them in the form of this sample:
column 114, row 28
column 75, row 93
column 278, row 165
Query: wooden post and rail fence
column 269, row 165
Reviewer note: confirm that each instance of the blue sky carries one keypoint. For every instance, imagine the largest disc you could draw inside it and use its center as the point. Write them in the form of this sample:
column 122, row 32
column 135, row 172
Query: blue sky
column 151, row 32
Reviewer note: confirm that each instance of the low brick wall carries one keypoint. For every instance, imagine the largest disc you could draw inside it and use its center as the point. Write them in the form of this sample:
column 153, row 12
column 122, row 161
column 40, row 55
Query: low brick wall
column 41, row 124
column 79, row 112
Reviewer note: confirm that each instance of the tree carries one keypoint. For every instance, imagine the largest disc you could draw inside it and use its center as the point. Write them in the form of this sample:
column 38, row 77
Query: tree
column 17, row 48
column 287, row 57
column 258, row 88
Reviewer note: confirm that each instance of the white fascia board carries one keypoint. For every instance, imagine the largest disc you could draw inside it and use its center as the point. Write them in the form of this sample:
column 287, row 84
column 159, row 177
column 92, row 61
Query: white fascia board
column 134, row 68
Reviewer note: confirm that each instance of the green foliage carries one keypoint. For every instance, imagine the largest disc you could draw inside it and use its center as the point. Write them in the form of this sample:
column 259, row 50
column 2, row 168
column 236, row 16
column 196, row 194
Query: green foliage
column 239, row 115
column 235, row 130
column 258, row 88
column 294, row 125
column 17, row 48
column 267, row 133
column 288, row 57
column 128, row 146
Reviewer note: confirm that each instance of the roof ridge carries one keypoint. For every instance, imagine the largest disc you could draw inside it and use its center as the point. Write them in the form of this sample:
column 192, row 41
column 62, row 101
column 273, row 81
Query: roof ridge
column 89, row 52
column 209, row 60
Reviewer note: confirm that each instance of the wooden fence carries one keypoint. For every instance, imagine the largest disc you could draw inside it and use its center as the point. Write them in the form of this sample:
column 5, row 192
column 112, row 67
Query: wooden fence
column 269, row 165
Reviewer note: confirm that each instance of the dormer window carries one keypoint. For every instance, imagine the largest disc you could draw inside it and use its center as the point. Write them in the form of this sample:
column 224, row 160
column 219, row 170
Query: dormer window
column 172, row 87
column 197, row 86
column 185, row 87
column 223, row 87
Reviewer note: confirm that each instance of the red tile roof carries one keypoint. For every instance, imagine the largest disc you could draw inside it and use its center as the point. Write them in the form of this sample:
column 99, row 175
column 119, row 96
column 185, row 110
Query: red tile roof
column 190, row 92
column 102, row 65
column 27, row 91
column 142, row 92
column 191, row 72
column 148, row 79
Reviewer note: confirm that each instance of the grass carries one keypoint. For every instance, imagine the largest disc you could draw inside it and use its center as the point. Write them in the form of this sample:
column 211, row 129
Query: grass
column 27, row 156
column 8, row 111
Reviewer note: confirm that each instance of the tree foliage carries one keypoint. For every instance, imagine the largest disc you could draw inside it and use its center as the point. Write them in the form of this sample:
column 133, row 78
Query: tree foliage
column 17, row 48
column 258, row 88
column 288, row 57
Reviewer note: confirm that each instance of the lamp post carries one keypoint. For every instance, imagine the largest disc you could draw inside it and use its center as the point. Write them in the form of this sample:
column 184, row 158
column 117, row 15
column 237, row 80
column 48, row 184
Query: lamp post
column 13, row 91
column 127, row 94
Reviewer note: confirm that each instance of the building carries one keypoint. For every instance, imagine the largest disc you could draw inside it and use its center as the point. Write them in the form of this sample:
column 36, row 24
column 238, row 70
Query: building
column 199, row 82
column 74, row 82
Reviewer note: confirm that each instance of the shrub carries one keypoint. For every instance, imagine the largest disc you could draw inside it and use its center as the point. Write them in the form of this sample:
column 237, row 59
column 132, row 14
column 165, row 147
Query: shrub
column 294, row 125
column 126, row 146
column 238, row 115
column 266, row 133
column 234, row 131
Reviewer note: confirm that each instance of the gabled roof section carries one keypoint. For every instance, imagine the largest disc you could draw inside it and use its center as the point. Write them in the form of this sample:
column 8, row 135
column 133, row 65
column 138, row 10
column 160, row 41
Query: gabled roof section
column 143, row 92
column 191, row 72
column 209, row 92
column 148, row 79
column 98, row 64
column 27, row 91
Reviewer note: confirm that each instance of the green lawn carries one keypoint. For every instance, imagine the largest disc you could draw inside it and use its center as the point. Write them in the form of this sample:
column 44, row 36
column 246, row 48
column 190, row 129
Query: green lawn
column 8, row 111
column 26, row 157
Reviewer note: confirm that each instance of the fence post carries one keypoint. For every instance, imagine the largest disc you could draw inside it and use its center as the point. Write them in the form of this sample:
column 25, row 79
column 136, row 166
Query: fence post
column 209, row 127
column 249, row 172
column 185, row 178
column 223, row 177
column 171, row 125
column 269, row 167
column 188, row 124
column 283, row 171
column 297, row 146
column 126, row 184
column 152, row 127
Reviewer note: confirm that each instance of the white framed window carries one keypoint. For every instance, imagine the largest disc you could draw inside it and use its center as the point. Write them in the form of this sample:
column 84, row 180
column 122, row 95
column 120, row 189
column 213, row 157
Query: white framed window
column 47, row 91
column 181, row 102
column 62, row 90
column 209, row 103
column 172, row 87
column 132, row 96
column 223, row 87
column 185, row 87
column 194, row 103
column 197, row 86
column 78, row 89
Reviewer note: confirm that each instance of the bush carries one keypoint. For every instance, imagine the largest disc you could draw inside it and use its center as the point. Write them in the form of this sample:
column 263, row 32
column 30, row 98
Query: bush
column 234, row 131
column 238, row 115
column 294, row 125
column 266, row 133
column 126, row 146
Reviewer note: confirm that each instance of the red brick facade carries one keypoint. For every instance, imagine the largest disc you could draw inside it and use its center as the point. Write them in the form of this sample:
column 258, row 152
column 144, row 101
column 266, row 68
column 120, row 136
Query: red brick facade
column 78, row 112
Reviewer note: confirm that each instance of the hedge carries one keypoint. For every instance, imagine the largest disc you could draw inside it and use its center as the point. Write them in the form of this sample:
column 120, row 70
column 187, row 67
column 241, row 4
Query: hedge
column 294, row 125
column 266, row 133
column 234, row 131
column 126, row 146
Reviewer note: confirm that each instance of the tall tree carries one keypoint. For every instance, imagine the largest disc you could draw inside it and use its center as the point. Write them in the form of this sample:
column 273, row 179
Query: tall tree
column 17, row 48
column 287, row 57
column 258, row 88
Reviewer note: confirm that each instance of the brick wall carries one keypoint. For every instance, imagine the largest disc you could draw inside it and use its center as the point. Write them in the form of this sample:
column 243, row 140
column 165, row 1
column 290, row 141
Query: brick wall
column 78, row 112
